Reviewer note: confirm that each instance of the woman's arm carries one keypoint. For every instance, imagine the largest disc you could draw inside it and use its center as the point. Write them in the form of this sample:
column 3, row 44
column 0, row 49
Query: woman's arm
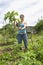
column 16, row 24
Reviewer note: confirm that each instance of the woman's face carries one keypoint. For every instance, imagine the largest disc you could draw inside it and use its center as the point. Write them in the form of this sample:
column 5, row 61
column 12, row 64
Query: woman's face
column 22, row 19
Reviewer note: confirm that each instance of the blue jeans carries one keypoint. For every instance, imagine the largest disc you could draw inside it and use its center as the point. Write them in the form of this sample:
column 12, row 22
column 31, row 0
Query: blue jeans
column 23, row 37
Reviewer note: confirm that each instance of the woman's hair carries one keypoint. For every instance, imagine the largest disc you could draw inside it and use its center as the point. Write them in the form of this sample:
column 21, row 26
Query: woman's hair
column 21, row 15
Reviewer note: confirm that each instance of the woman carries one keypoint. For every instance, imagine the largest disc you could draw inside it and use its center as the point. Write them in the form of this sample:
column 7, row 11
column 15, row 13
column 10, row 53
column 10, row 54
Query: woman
column 22, row 35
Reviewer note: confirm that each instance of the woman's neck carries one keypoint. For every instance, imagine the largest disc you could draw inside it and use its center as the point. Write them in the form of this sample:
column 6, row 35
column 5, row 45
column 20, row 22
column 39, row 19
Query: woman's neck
column 22, row 21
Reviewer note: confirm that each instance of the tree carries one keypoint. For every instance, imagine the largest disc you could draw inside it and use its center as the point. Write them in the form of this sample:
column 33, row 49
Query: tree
column 39, row 26
column 9, row 30
column 11, row 16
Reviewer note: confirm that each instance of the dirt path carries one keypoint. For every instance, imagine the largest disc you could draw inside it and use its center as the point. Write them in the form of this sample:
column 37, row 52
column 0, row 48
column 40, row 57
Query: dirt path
column 4, row 44
column 6, row 50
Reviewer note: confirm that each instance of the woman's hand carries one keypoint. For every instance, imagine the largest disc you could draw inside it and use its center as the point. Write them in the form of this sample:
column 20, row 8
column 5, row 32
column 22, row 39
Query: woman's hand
column 20, row 28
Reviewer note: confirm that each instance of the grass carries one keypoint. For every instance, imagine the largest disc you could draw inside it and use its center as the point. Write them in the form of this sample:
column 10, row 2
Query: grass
column 33, row 56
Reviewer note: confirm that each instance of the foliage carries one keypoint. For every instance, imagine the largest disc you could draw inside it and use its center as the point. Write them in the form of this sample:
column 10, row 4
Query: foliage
column 33, row 56
column 11, row 16
column 9, row 30
column 39, row 26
